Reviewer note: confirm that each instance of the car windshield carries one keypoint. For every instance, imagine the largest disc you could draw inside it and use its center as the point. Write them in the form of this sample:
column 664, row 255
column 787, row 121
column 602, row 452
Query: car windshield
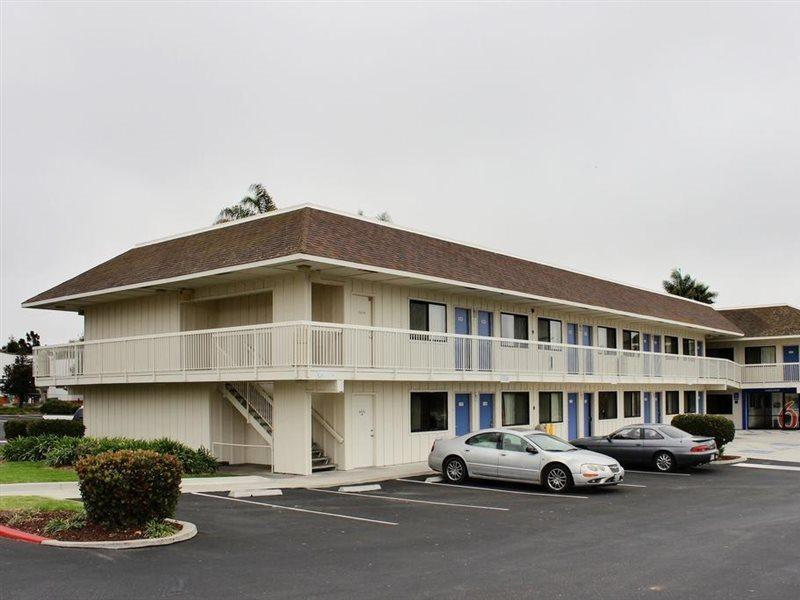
column 673, row 432
column 550, row 442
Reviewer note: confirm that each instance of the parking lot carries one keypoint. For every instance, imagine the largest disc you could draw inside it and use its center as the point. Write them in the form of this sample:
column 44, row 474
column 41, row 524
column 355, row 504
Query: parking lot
column 715, row 532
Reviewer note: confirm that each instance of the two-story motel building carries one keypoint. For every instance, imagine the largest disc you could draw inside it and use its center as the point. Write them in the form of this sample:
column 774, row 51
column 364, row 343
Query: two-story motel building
column 261, row 338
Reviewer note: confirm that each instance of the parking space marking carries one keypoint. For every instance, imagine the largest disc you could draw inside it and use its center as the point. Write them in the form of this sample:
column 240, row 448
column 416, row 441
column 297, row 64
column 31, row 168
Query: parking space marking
column 657, row 473
column 296, row 509
column 773, row 467
column 488, row 489
column 382, row 497
column 631, row 485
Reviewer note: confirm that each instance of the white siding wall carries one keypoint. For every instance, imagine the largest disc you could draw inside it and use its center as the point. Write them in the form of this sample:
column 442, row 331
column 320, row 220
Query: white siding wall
column 291, row 416
column 180, row 411
column 159, row 313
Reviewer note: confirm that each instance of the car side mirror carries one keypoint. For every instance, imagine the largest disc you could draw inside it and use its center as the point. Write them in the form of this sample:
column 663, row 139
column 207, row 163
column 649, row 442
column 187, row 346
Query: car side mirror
column 609, row 438
column 531, row 450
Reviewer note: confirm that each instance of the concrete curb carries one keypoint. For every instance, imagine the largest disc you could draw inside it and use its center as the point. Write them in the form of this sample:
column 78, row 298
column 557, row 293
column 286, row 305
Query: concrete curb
column 732, row 461
column 187, row 532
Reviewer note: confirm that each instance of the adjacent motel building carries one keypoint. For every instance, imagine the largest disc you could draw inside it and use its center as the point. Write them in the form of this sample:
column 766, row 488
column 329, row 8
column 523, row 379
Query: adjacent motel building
column 309, row 339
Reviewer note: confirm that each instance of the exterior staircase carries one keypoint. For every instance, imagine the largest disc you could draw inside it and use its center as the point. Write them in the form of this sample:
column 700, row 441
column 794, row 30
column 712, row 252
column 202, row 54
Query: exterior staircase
column 320, row 462
column 255, row 405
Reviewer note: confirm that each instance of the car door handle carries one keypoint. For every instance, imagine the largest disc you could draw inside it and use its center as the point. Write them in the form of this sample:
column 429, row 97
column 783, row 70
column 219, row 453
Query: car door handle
column 466, row 450
column 503, row 454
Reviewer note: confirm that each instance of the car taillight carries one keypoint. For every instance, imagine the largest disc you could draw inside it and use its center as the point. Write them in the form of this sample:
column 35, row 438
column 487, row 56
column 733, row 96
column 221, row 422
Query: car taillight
column 701, row 448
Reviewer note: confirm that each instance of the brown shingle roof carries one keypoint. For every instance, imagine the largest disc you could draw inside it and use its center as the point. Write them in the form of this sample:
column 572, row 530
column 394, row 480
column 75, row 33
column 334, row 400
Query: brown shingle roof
column 765, row 321
column 334, row 236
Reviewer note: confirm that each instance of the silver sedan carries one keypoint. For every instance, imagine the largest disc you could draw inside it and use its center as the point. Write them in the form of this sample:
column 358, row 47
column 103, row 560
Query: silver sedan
column 522, row 455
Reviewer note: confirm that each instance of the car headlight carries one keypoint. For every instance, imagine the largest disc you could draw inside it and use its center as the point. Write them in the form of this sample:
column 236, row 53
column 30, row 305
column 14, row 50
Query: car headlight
column 593, row 469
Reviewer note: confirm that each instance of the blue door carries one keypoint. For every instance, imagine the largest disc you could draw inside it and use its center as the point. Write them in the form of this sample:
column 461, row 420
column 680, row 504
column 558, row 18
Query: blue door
column 658, row 407
column 462, row 414
column 572, row 415
column 487, row 410
column 791, row 368
column 587, row 414
column 485, row 348
column 586, row 340
column 647, row 396
column 701, row 403
column 463, row 347
column 572, row 353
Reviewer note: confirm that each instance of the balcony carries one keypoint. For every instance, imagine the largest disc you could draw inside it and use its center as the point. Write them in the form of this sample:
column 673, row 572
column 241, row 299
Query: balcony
column 321, row 351
column 771, row 375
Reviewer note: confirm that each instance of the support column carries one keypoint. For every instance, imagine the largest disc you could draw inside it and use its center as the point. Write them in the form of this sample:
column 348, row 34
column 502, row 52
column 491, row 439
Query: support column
column 291, row 416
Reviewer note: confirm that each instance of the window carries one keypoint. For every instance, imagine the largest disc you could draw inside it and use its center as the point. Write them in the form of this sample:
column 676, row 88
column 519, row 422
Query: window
column 550, row 331
column 670, row 344
column 630, row 340
column 690, row 401
column 513, row 327
column 628, row 433
column 673, row 402
column 485, row 440
column 689, row 347
column 549, row 442
column 720, row 404
column 516, row 408
column 428, row 411
column 726, row 353
column 652, row 434
column 632, row 402
column 514, row 443
column 674, row 432
column 607, row 405
column 427, row 316
column 606, row 337
column 551, row 407
column 759, row 355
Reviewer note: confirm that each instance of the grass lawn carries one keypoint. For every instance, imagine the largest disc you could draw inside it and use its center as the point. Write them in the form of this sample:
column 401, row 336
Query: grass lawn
column 38, row 503
column 34, row 472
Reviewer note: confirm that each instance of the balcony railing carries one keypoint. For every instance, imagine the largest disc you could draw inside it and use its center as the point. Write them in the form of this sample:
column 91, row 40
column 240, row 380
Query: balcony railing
column 306, row 350
column 770, row 374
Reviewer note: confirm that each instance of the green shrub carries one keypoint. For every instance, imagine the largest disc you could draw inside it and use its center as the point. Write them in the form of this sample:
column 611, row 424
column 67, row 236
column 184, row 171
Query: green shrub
column 159, row 529
column 27, row 448
column 62, row 451
column 720, row 428
column 15, row 429
column 58, row 427
column 59, row 407
column 129, row 488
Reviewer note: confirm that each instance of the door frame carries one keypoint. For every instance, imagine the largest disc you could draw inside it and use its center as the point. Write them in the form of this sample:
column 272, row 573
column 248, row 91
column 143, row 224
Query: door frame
column 352, row 431
column 588, row 415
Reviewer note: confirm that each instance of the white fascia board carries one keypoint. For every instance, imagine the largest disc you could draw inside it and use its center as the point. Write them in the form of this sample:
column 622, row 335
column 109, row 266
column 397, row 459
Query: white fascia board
column 395, row 272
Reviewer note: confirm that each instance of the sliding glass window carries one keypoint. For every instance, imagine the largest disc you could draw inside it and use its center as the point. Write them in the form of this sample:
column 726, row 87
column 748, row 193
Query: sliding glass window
column 550, row 331
column 630, row 340
column 551, row 407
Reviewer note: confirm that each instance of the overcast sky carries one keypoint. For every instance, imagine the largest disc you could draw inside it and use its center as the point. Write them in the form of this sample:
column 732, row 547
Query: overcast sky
column 616, row 139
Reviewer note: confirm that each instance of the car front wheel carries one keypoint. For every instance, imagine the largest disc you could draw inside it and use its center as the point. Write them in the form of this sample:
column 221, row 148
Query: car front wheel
column 455, row 471
column 664, row 462
column 557, row 479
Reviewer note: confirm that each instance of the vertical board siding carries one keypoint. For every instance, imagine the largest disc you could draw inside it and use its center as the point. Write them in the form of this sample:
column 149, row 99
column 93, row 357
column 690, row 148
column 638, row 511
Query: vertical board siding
column 178, row 411
column 159, row 313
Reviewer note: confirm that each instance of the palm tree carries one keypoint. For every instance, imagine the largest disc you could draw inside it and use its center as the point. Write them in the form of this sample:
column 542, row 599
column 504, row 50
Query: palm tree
column 687, row 286
column 257, row 202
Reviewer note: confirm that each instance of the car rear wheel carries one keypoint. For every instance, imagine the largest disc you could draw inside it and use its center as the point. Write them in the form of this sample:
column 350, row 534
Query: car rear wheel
column 557, row 479
column 664, row 462
column 455, row 471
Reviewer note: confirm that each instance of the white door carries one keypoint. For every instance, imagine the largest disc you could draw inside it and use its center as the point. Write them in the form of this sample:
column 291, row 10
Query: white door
column 362, row 343
column 363, row 430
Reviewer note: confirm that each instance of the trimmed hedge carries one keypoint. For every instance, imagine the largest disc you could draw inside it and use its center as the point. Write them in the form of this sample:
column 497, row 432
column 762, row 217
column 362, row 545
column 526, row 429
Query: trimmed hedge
column 62, row 451
column 129, row 488
column 59, row 407
column 720, row 428
column 15, row 429
column 58, row 427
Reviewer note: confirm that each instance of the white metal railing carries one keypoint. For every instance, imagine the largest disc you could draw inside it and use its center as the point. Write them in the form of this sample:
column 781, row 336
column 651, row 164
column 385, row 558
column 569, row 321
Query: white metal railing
column 355, row 349
column 771, row 373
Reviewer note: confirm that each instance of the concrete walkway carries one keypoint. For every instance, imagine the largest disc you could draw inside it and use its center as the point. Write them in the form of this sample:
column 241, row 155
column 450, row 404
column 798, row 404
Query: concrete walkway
column 249, row 482
column 766, row 444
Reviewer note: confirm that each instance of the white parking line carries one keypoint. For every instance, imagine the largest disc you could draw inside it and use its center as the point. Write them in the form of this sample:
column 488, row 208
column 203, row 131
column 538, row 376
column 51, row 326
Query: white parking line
column 631, row 485
column 382, row 497
column 486, row 489
column 657, row 473
column 295, row 509
column 748, row 465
